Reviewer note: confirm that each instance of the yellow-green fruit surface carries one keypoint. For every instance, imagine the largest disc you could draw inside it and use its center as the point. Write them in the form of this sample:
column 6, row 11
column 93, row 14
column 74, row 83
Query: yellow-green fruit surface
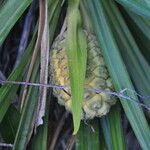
column 97, row 77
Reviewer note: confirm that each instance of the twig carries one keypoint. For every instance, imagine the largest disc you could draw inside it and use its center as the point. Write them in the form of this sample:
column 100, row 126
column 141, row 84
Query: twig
column 57, row 132
column 34, row 55
column 43, row 64
column 71, row 142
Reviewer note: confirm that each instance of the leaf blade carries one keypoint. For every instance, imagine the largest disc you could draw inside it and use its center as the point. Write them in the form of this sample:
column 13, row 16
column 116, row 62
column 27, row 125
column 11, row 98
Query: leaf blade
column 76, row 53
column 139, row 7
column 10, row 12
column 119, row 73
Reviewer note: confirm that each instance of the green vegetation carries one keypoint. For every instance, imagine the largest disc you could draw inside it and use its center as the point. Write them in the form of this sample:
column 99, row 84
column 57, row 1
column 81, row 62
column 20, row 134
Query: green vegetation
column 122, row 29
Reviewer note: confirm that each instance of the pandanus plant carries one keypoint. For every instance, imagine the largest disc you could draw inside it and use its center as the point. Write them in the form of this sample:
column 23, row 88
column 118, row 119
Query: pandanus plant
column 91, row 56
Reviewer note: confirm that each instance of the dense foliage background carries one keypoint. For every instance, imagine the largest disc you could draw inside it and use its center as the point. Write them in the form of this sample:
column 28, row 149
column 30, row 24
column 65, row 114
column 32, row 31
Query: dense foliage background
column 27, row 31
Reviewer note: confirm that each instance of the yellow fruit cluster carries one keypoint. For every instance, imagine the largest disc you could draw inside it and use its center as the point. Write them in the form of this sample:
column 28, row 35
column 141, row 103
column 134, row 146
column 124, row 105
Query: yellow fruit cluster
column 97, row 77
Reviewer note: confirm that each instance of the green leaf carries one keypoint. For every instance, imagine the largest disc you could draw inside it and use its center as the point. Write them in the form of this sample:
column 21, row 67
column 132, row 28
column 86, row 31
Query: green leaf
column 9, row 125
column 118, row 72
column 29, row 110
column 8, row 91
column 141, row 22
column 104, row 122
column 140, row 28
column 10, row 12
column 53, row 13
column 140, row 69
column 28, row 113
column 116, row 129
column 76, row 53
column 88, row 139
column 112, row 129
column 141, row 7
column 41, row 138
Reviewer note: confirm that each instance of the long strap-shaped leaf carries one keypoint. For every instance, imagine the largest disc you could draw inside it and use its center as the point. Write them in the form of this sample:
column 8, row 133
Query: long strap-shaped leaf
column 140, row 7
column 76, row 53
column 10, row 12
column 118, row 72
column 7, row 91
column 111, row 130
column 28, row 114
column 140, row 27
column 87, row 139
column 141, row 22
column 140, row 69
